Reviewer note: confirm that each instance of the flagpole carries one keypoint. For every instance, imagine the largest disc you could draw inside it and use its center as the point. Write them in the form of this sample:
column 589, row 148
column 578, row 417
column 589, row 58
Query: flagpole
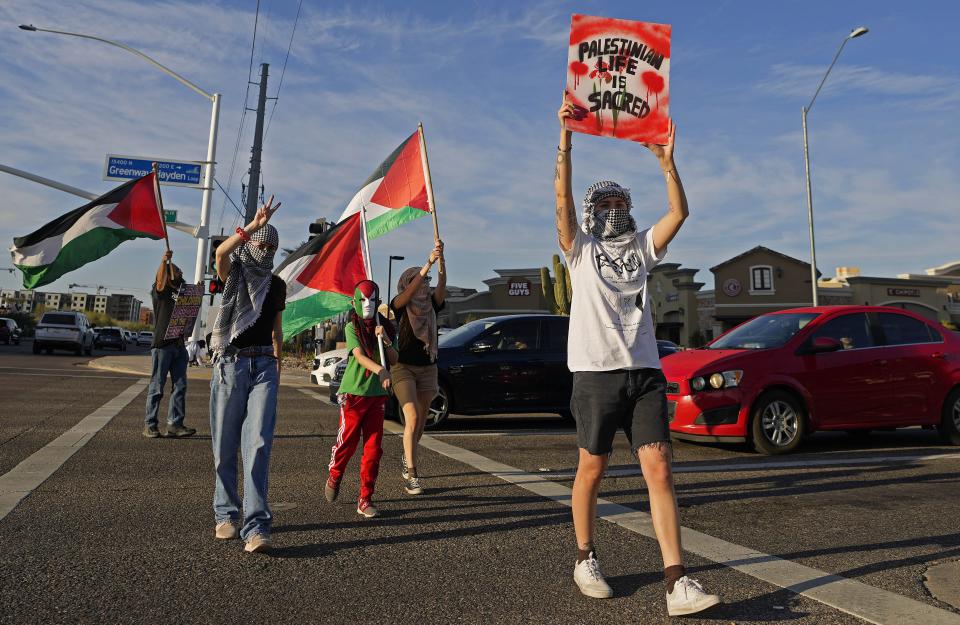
column 166, row 237
column 365, row 251
column 426, row 175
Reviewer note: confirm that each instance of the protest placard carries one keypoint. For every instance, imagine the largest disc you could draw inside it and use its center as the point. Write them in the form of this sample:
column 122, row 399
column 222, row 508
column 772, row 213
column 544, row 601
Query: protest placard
column 618, row 78
column 185, row 311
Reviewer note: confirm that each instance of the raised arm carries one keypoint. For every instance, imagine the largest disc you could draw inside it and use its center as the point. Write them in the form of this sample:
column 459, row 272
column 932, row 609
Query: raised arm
column 677, row 211
column 440, row 293
column 226, row 248
column 563, row 184
column 403, row 298
column 163, row 274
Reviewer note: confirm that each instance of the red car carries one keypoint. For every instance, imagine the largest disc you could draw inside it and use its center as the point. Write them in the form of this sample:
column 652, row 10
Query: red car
column 783, row 375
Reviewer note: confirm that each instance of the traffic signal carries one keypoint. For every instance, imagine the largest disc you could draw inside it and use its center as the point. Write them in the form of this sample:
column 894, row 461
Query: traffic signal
column 215, row 240
column 319, row 227
column 215, row 286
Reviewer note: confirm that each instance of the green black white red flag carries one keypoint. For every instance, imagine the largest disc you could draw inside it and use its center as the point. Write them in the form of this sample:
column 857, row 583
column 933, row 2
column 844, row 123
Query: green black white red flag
column 92, row 231
column 322, row 274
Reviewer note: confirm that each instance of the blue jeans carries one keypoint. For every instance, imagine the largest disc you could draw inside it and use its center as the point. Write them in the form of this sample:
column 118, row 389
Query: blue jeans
column 171, row 359
column 243, row 412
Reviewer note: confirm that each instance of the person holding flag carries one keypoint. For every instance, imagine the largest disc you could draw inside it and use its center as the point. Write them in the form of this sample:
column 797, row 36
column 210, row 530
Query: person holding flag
column 415, row 375
column 246, row 340
column 166, row 356
column 363, row 395
column 612, row 352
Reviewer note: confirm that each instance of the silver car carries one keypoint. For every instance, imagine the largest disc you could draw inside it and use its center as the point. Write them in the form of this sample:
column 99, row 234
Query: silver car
column 63, row 330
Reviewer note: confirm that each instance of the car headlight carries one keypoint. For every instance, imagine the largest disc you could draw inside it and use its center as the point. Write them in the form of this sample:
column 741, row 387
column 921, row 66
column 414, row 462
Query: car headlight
column 717, row 381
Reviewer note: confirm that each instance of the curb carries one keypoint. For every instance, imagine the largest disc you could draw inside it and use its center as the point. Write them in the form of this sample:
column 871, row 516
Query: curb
column 943, row 582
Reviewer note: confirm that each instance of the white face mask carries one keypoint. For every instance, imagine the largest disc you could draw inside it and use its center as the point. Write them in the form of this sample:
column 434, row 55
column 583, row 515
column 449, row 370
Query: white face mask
column 368, row 307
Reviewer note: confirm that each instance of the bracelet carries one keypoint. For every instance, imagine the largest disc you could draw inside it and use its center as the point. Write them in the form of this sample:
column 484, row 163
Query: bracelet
column 243, row 234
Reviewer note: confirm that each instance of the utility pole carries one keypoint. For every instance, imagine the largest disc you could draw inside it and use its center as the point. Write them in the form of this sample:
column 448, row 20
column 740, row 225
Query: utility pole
column 253, row 185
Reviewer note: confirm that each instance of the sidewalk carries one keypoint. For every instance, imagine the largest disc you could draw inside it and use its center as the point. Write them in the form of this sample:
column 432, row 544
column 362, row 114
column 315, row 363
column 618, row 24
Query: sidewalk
column 140, row 365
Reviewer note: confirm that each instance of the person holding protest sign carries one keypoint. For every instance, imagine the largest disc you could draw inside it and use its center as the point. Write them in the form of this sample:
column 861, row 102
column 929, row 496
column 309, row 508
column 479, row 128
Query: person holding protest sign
column 612, row 352
column 246, row 339
column 166, row 356
column 363, row 395
column 415, row 375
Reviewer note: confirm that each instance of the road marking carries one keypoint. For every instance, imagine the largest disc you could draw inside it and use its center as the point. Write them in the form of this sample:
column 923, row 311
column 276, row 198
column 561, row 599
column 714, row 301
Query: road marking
column 22, row 479
column 72, row 375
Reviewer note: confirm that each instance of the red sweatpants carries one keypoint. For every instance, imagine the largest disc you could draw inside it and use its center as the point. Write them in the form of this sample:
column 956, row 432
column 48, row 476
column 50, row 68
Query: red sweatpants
column 359, row 416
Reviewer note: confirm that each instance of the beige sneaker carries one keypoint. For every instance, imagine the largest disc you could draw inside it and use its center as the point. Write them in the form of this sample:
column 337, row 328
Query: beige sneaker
column 258, row 543
column 226, row 530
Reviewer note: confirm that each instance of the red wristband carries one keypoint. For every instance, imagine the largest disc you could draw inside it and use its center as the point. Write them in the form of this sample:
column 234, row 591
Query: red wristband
column 243, row 234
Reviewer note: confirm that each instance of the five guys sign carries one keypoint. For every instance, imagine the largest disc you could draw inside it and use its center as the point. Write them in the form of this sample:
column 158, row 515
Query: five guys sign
column 618, row 77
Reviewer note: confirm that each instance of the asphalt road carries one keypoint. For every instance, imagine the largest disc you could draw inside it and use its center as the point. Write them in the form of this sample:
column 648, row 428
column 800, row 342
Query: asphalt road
column 122, row 532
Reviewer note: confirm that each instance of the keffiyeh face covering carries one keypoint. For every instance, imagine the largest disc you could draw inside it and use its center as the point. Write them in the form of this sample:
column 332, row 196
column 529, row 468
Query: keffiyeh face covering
column 608, row 224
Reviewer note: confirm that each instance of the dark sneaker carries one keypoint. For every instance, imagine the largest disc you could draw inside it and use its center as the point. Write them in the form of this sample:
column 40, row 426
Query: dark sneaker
column 366, row 508
column 330, row 490
column 151, row 431
column 179, row 431
column 413, row 486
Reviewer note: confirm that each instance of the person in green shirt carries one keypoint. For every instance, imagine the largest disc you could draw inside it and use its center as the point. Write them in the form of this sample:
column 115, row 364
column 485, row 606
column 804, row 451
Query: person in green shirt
column 363, row 395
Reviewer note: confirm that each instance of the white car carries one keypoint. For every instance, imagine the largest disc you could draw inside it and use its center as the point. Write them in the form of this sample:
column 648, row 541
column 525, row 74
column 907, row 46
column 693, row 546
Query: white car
column 145, row 338
column 63, row 330
column 325, row 364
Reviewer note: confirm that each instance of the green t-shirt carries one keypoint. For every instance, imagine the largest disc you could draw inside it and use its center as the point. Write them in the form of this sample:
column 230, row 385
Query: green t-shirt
column 357, row 380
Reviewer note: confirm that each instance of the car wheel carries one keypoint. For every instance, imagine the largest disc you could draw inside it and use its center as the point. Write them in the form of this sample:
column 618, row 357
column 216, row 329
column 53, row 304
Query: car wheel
column 78, row 350
column 89, row 350
column 778, row 424
column 950, row 422
column 439, row 409
column 36, row 347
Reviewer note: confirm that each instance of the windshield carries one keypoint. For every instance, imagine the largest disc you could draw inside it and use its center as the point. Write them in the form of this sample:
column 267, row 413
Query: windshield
column 464, row 334
column 59, row 319
column 764, row 332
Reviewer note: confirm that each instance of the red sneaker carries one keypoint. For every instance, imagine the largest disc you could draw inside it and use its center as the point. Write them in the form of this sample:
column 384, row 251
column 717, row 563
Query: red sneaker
column 366, row 508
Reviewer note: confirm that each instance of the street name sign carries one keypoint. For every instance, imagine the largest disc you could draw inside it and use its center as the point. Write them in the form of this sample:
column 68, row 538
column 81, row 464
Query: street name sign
column 175, row 173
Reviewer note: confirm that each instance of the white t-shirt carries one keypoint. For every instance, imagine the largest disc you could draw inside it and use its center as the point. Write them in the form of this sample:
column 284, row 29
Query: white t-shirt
column 610, row 322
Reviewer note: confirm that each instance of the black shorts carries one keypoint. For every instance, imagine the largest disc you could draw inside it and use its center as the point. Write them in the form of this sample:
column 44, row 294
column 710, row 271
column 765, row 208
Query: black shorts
column 632, row 399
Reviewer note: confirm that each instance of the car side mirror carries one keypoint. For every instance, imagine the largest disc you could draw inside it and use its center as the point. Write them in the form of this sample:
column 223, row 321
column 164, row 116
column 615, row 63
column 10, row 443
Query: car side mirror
column 480, row 347
column 822, row 345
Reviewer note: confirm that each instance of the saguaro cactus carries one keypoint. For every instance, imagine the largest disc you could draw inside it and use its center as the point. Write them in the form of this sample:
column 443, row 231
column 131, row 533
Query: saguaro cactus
column 559, row 292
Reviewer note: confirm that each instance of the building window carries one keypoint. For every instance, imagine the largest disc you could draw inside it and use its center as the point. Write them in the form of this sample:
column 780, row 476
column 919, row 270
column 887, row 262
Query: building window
column 761, row 279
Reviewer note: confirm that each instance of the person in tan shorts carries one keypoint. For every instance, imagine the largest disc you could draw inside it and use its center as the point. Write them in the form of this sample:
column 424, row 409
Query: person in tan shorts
column 415, row 375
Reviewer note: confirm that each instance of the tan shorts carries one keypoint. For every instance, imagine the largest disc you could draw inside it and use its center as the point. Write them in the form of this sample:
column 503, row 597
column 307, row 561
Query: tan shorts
column 410, row 381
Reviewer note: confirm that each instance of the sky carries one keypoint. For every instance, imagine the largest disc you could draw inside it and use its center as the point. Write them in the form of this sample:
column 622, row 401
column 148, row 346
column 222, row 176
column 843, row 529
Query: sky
column 486, row 79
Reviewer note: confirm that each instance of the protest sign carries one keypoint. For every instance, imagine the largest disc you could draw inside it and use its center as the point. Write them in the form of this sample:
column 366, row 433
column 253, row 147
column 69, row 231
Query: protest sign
column 618, row 78
column 185, row 311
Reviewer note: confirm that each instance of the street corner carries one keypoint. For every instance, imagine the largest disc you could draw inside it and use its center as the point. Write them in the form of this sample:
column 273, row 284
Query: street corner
column 942, row 581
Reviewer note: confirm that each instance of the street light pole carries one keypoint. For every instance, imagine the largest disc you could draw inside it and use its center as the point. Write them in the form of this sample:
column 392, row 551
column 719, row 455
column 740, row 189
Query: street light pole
column 390, row 278
column 202, row 233
column 857, row 32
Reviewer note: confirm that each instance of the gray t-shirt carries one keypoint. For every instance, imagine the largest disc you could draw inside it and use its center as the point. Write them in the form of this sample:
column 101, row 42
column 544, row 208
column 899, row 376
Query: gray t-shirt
column 611, row 326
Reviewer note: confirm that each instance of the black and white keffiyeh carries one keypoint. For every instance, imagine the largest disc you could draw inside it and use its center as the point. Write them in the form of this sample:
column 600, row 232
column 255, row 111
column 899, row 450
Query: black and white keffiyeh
column 245, row 289
column 611, row 224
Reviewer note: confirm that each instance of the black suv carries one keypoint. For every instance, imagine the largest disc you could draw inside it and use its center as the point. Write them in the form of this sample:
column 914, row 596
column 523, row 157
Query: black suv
column 498, row 365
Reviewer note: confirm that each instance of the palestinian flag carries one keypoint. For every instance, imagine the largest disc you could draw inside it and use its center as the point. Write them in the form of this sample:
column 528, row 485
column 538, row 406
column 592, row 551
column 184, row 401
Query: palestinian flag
column 90, row 232
column 395, row 193
column 322, row 274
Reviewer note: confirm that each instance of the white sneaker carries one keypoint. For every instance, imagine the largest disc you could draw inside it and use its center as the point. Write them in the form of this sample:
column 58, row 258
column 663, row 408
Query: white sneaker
column 590, row 580
column 413, row 486
column 688, row 597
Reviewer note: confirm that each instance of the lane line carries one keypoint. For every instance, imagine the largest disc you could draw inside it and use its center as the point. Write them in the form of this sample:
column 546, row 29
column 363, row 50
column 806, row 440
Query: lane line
column 850, row 596
column 71, row 375
column 24, row 478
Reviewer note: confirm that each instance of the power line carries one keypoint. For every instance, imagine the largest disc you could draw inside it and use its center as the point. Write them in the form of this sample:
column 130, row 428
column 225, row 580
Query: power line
column 227, row 195
column 276, row 98
column 243, row 116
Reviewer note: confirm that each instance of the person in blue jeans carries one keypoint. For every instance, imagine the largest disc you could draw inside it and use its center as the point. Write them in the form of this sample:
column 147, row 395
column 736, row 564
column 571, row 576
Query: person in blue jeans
column 246, row 341
column 167, row 357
